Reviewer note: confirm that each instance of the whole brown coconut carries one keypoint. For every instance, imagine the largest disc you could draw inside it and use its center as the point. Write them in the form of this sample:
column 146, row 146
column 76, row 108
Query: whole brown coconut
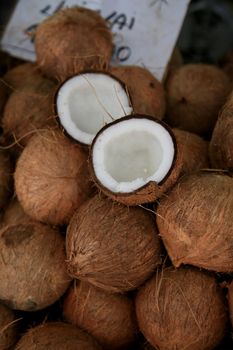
column 230, row 301
column 57, row 336
column 221, row 145
column 194, row 150
column 111, row 246
column 195, row 222
column 32, row 266
column 182, row 309
column 195, row 93
column 14, row 214
column 51, row 178
column 109, row 318
column 72, row 40
column 137, row 79
column 6, row 178
column 8, row 329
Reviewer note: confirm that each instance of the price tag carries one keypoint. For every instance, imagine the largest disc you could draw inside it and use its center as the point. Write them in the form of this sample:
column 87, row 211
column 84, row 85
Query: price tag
column 145, row 32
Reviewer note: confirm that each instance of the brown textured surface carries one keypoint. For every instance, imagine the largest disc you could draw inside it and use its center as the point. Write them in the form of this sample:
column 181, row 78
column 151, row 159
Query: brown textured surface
column 56, row 336
column 221, row 145
column 138, row 80
column 32, row 266
column 6, row 178
column 195, row 94
column 109, row 318
column 230, row 302
column 8, row 329
column 111, row 246
column 195, row 222
column 182, row 309
column 13, row 214
column 51, row 177
column 71, row 40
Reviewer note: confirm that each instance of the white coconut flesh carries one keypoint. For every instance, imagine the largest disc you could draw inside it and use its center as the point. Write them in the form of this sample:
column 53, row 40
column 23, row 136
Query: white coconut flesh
column 129, row 154
column 87, row 102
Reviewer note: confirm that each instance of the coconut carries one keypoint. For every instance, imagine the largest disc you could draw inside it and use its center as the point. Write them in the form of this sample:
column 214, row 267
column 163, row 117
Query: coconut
column 51, row 178
column 230, row 301
column 221, row 145
column 32, row 268
column 14, row 214
column 194, row 150
column 8, row 329
column 138, row 79
column 135, row 159
column 56, row 336
column 5, row 178
column 195, row 93
column 88, row 101
column 112, row 247
column 71, row 40
column 195, row 222
column 109, row 318
column 182, row 309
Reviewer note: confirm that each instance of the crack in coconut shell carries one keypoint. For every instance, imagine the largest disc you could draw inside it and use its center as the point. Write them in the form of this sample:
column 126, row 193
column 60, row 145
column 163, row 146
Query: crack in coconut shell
column 148, row 190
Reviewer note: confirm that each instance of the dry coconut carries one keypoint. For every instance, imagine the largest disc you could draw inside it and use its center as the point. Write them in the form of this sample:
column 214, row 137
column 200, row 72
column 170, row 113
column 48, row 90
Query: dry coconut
column 152, row 100
column 14, row 214
column 191, row 218
column 112, row 247
column 135, row 160
column 221, row 145
column 72, row 40
column 182, row 309
column 6, row 178
column 109, row 318
column 8, row 328
column 230, row 301
column 56, row 336
column 51, row 178
column 194, row 150
column 32, row 268
column 195, row 94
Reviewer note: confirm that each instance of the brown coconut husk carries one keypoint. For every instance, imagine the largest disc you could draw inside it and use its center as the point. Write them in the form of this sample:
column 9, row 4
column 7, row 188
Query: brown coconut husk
column 230, row 302
column 32, row 269
column 112, row 247
column 71, row 40
column 109, row 318
column 8, row 328
column 14, row 214
column 195, row 222
column 51, row 178
column 182, row 309
column 195, row 94
column 6, row 178
column 221, row 145
column 138, row 79
column 57, row 336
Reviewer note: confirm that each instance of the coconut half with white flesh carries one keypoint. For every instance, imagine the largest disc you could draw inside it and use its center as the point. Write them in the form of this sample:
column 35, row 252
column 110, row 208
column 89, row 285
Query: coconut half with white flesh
column 86, row 102
column 135, row 160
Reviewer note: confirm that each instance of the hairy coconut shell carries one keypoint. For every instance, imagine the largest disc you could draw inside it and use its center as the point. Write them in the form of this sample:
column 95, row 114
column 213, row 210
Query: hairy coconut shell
column 195, row 94
column 14, row 214
column 72, row 40
column 32, row 266
column 195, row 222
column 230, row 301
column 182, row 309
column 56, row 336
column 111, row 246
column 221, row 145
column 109, row 318
column 51, row 177
column 6, row 178
column 138, row 79
column 8, row 329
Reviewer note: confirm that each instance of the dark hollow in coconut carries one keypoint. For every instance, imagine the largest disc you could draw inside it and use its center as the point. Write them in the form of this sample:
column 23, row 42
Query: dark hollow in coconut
column 32, row 268
column 195, row 93
column 56, row 336
column 221, row 145
column 6, row 178
column 195, row 222
column 182, row 309
column 146, row 92
column 134, row 160
column 8, row 328
column 51, row 178
column 72, row 40
column 230, row 302
column 111, row 246
column 14, row 214
column 109, row 318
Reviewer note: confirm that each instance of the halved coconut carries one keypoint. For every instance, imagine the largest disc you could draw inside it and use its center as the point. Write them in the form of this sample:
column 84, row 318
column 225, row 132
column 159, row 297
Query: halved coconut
column 86, row 102
column 134, row 160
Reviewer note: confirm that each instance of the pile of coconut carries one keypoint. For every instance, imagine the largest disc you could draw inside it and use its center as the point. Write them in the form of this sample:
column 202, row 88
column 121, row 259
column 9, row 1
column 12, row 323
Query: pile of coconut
column 116, row 198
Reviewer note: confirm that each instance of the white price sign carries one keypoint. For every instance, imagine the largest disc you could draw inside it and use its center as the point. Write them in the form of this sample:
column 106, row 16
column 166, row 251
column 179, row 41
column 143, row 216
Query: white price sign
column 145, row 32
